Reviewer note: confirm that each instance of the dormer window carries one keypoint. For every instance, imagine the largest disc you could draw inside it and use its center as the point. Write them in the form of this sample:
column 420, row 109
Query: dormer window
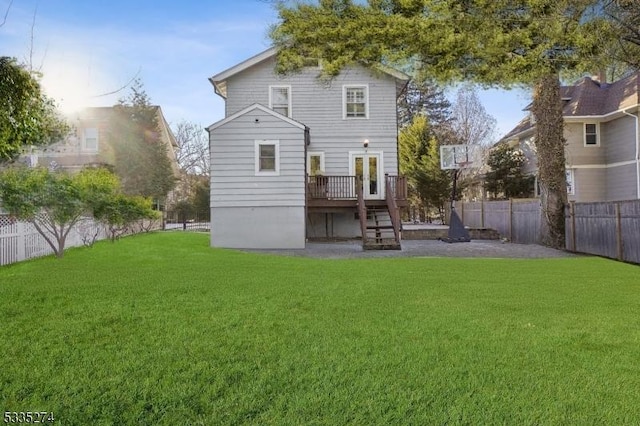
column 355, row 101
column 591, row 134
column 280, row 99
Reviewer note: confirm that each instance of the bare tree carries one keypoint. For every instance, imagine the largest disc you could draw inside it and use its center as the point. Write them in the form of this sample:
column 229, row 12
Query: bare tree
column 471, row 123
column 193, row 148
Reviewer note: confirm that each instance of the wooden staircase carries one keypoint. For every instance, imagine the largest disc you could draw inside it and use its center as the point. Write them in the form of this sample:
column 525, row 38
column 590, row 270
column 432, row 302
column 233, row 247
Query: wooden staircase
column 380, row 224
column 380, row 234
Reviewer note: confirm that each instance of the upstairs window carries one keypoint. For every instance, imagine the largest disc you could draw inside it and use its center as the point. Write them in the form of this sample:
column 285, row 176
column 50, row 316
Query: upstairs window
column 355, row 102
column 280, row 99
column 267, row 158
column 591, row 134
column 90, row 139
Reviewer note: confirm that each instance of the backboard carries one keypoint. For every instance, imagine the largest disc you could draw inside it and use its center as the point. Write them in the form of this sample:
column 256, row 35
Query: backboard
column 453, row 157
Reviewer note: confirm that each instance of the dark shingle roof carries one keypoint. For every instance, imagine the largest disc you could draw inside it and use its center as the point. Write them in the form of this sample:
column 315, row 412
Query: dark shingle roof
column 591, row 98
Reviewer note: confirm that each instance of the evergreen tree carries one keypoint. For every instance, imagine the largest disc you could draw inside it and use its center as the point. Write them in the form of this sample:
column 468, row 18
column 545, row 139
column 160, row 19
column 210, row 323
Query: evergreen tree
column 429, row 186
column 625, row 28
column 423, row 98
column 140, row 156
column 505, row 178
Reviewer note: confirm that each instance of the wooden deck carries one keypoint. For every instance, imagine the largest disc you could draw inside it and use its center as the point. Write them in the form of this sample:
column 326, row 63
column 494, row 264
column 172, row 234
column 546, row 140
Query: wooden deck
column 329, row 194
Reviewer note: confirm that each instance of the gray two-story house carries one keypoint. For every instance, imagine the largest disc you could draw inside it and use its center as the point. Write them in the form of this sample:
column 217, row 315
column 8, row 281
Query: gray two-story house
column 603, row 139
column 298, row 157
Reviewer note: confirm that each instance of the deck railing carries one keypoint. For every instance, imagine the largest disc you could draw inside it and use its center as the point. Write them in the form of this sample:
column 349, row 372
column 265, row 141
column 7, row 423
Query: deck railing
column 394, row 212
column 344, row 187
column 362, row 214
column 398, row 186
column 332, row 187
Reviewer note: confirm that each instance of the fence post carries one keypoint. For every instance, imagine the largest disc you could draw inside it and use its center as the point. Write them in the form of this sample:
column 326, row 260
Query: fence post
column 572, row 221
column 482, row 213
column 22, row 242
column 511, row 220
column 462, row 203
column 619, row 233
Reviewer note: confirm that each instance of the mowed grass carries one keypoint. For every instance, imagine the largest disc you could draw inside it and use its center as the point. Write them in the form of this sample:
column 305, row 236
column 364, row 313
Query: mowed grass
column 162, row 329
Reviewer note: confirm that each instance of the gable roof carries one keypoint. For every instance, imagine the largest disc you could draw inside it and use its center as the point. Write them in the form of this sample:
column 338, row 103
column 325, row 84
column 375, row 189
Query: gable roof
column 219, row 81
column 253, row 108
column 589, row 98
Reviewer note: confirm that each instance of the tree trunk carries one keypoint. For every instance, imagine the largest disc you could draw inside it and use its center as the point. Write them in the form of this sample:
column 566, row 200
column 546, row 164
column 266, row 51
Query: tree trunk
column 550, row 145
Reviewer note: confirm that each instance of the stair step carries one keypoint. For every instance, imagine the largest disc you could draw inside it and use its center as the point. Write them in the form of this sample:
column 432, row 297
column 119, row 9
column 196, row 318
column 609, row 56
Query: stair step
column 379, row 226
column 382, row 246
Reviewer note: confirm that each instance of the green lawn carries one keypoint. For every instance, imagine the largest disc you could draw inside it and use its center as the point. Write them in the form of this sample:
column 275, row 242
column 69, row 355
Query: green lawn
column 161, row 329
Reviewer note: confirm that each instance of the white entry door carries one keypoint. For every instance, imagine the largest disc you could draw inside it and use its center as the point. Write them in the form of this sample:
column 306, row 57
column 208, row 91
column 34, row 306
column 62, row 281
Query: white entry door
column 367, row 167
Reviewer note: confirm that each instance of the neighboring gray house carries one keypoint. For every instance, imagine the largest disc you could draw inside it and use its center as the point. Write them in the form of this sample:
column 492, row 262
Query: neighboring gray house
column 603, row 139
column 295, row 154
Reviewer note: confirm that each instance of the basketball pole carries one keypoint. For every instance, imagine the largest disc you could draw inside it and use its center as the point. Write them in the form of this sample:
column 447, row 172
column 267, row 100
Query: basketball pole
column 457, row 232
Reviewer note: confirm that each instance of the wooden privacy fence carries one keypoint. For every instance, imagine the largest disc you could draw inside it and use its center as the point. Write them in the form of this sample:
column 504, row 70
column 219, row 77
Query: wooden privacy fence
column 518, row 220
column 609, row 229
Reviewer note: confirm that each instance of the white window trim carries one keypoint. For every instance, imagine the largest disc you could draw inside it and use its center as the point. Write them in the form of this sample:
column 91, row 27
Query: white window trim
column 584, row 135
column 315, row 153
column 571, row 179
column 281, row 86
column 84, row 140
column 344, row 101
column 570, row 176
column 260, row 142
column 381, row 171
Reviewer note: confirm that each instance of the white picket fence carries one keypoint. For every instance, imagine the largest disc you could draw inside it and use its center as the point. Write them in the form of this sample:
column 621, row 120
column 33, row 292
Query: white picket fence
column 20, row 241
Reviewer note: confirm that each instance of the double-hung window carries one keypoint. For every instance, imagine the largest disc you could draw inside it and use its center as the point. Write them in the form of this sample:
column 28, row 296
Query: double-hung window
column 267, row 153
column 591, row 134
column 90, row 139
column 280, row 99
column 355, row 101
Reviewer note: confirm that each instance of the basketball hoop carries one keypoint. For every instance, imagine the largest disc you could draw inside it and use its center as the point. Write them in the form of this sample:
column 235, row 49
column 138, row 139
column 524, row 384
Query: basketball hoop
column 454, row 157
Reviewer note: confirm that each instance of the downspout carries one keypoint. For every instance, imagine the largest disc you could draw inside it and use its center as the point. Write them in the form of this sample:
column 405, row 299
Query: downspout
column 404, row 88
column 637, row 154
column 307, row 141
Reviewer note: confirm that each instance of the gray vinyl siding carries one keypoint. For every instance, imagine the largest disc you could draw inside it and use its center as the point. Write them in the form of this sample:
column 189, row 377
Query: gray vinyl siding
column 590, row 185
column 258, row 228
column 318, row 105
column 606, row 174
column 619, row 139
column 622, row 183
column 579, row 154
column 233, row 178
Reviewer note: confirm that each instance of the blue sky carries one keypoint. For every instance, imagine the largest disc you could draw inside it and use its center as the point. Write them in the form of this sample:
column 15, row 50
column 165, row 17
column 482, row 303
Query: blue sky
column 88, row 48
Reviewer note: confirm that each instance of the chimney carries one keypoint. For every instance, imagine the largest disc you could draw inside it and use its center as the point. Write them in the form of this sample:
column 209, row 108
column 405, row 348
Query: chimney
column 601, row 78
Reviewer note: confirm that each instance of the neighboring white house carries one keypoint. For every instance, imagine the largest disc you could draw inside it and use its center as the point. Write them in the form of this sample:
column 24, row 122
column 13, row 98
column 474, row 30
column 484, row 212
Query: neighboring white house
column 603, row 139
column 286, row 159
column 89, row 143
